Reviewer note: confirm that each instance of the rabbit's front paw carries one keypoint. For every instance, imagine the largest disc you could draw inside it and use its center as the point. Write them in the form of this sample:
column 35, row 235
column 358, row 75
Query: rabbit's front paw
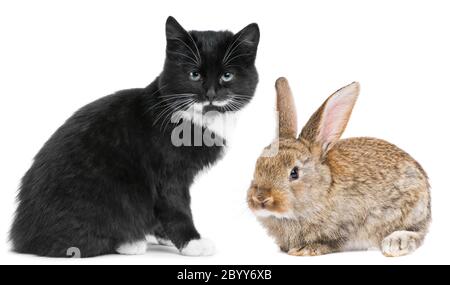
column 310, row 250
column 400, row 243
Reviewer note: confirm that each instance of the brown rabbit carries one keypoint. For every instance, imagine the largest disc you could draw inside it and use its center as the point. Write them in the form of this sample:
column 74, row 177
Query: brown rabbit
column 319, row 194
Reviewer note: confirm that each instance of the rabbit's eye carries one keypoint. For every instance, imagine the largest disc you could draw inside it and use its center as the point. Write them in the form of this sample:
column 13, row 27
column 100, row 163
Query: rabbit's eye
column 294, row 174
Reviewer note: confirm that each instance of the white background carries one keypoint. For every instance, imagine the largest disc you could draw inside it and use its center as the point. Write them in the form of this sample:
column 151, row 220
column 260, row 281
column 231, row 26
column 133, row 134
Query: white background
column 56, row 56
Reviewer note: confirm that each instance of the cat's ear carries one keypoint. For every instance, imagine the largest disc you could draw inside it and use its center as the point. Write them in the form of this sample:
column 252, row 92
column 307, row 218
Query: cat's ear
column 249, row 35
column 243, row 47
column 180, row 44
column 173, row 29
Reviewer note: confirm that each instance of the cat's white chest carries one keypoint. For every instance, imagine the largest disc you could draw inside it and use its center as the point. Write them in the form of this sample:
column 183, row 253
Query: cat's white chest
column 221, row 124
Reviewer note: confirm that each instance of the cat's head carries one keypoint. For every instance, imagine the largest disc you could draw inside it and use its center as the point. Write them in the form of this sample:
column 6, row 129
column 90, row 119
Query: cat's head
column 208, row 70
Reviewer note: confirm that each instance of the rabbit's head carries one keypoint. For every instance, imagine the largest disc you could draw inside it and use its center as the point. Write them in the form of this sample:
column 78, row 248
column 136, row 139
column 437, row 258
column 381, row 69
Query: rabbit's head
column 292, row 177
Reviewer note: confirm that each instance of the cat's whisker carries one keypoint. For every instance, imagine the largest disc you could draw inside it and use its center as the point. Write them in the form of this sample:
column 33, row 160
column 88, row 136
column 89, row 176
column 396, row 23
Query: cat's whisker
column 190, row 63
column 228, row 108
column 170, row 97
column 233, row 65
column 180, row 106
column 170, row 105
column 236, row 46
column 167, row 107
column 236, row 56
column 241, row 95
column 174, row 105
column 240, row 103
column 240, row 100
column 195, row 45
column 227, row 53
column 161, row 103
column 159, row 89
column 173, row 118
column 230, row 105
column 197, row 61
column 175, row 112
column 167, row 99
column 186, row 56
column 177, row 99
column 179, row 94
column 234, row 106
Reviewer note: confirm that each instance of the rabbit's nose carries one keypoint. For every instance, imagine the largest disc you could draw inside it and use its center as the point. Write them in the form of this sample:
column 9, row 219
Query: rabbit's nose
column 263, row 202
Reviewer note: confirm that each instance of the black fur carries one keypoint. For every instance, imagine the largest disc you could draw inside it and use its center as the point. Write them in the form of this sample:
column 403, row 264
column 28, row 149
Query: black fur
column 110, row 174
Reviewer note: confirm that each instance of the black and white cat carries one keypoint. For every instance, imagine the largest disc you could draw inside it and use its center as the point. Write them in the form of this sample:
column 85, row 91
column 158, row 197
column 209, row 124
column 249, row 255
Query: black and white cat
column 120, row 168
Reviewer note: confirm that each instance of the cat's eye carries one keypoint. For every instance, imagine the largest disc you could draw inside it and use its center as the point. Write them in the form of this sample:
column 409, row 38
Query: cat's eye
column 227, row 76
column 194, row 76
column 294, row 174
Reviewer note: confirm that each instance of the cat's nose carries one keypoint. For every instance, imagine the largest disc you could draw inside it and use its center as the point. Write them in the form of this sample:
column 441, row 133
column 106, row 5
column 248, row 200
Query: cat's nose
column 211, row 94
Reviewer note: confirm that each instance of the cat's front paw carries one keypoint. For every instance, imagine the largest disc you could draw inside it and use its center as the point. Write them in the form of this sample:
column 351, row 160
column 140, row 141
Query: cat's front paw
column 165, row 242
column 198, row 247
column 133, row 248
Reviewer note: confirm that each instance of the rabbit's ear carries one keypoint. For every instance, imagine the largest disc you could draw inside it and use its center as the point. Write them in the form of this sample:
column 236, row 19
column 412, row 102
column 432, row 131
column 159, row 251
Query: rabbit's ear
column 328, row 123
column 287, row 115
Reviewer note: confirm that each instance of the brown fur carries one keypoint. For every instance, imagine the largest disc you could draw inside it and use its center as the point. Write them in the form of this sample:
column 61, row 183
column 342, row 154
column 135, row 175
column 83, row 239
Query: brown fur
column 360, row 193
column 286, row 109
